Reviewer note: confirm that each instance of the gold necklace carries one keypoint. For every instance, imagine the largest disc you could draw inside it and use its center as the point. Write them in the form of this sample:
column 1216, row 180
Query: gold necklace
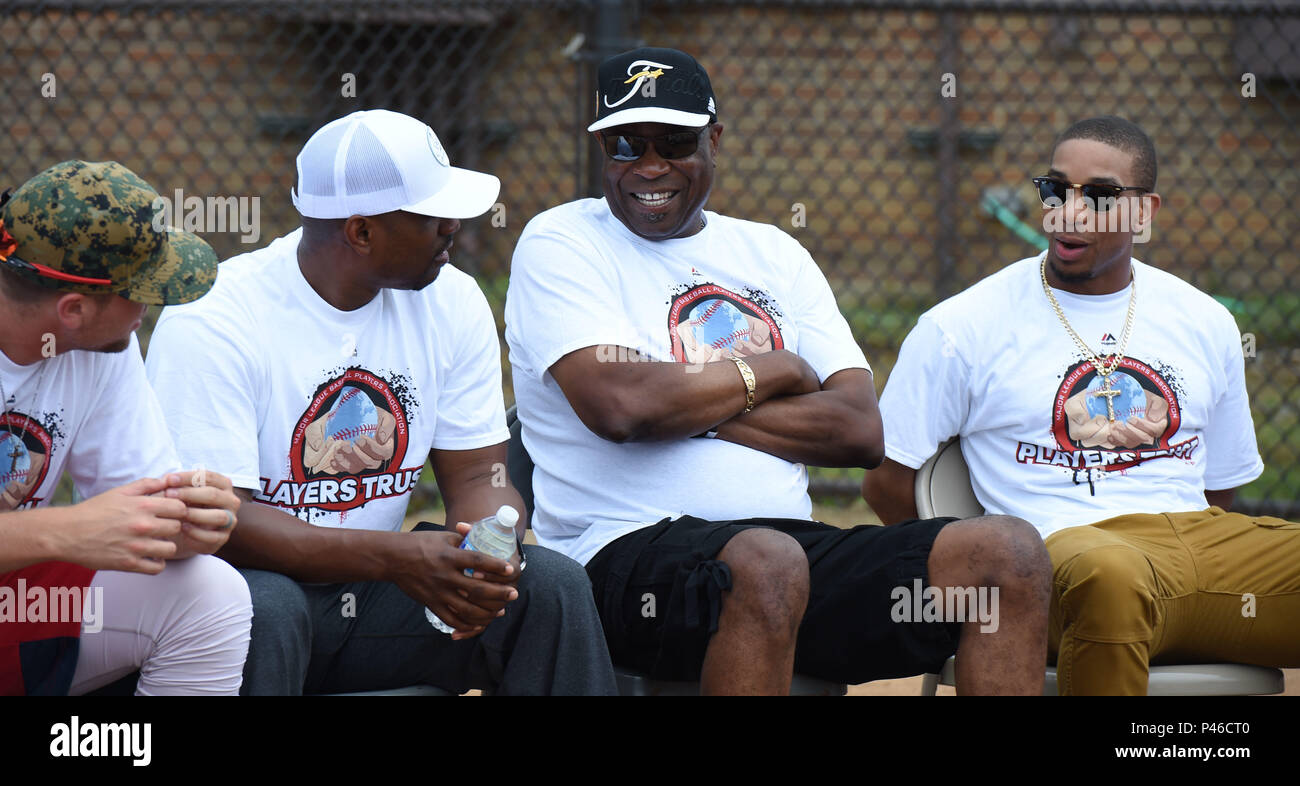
column 1104, row 370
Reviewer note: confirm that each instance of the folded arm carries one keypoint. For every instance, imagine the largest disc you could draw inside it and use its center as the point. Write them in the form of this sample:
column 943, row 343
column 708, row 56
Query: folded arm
column 837, row 426
column 645, row 401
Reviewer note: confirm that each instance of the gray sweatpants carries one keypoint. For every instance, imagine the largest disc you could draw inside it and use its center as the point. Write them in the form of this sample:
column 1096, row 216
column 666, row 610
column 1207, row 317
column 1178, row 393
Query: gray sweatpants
column 342, row 638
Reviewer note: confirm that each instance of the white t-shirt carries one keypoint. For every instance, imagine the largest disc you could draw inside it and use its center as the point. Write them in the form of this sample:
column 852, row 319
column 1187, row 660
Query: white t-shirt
column 327, row 414
column 580, row 278
column 995, row 366
column 92, row 414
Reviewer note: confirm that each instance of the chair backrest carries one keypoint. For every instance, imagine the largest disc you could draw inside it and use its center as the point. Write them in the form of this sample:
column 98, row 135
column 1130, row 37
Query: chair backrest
column 519, row 464
column 943, row 485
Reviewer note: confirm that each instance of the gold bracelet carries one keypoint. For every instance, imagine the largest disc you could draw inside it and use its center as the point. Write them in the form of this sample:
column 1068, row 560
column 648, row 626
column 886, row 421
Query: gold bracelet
column 751, row 384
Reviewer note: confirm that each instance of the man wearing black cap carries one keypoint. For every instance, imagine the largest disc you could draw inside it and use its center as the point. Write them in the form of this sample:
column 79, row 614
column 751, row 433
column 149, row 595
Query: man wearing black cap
column 677, row 366
column 321, row 373
column 79, row 260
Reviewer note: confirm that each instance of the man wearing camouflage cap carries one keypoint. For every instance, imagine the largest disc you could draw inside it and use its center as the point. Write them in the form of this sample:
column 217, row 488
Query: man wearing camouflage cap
column 121, row 581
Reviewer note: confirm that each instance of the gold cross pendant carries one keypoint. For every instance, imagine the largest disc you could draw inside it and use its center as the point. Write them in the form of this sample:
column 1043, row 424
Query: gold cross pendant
column 1110, row 394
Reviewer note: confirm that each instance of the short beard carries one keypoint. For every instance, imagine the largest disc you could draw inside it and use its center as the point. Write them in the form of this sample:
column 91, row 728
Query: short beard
column 120, row 345
column 1071, row 278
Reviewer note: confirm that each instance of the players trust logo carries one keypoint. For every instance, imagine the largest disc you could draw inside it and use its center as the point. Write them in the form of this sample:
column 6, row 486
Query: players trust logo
column 1112, row 425
column 346, row 447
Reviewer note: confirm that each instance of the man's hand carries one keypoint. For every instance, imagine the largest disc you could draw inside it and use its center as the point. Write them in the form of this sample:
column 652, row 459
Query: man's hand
column 516, row 562
column 836, row 425
column 126, row 528
column 646, row 401
column 211, row 508
column 434, row 575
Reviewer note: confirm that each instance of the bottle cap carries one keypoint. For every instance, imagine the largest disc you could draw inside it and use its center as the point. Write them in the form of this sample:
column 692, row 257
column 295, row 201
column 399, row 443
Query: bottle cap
column 508, row 516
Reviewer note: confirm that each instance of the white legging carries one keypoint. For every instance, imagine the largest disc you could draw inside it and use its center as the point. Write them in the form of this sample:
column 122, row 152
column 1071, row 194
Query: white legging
column 186, row 630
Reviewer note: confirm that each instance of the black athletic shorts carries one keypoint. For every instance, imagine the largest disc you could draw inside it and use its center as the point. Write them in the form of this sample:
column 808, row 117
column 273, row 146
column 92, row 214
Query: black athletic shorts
column 659, row 593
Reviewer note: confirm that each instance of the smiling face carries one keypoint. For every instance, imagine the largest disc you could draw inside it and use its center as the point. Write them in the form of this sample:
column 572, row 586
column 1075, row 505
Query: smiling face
column 1082, row 255
column 658, row 198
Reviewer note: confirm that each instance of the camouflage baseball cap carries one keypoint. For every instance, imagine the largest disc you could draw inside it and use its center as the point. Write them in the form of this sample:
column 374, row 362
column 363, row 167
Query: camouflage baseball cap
column 89, row 227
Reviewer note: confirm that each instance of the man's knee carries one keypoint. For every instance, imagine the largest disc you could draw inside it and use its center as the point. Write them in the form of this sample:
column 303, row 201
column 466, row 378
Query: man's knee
column 280, row 606
column 1002, row 551
column 553, row 577
column 215, row 584
column 1107, row 593
column 769, row 577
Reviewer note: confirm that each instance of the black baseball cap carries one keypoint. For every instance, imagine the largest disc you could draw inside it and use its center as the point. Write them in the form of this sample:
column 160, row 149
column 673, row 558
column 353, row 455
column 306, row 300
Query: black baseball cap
column 653, row 85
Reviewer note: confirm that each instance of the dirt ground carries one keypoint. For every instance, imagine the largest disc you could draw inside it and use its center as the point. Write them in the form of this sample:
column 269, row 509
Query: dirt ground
column 848, row 516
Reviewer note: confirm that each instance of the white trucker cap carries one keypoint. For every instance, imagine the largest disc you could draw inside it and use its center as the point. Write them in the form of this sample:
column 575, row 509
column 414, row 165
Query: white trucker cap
column 378, row 161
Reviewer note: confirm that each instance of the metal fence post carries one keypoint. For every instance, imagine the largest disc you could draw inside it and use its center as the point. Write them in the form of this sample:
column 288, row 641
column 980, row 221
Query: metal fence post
column 610, row 33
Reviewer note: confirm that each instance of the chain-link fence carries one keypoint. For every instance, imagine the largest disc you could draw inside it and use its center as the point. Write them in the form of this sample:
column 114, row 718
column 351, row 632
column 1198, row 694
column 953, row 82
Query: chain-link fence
column 893, row 139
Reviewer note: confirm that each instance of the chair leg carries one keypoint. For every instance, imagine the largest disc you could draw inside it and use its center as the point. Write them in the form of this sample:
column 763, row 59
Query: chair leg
column 930, row 685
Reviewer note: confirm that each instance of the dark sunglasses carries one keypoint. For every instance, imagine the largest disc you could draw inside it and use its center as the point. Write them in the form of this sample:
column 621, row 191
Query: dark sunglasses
column 678, row 144
column 49, row 272
column 1099, row 196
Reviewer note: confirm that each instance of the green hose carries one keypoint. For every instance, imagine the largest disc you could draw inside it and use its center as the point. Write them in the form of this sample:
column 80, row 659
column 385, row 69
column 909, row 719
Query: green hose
column 1009, row 220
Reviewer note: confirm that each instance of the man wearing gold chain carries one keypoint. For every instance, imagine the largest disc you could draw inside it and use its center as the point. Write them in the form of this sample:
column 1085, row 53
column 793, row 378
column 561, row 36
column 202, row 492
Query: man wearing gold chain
column 1104, row 401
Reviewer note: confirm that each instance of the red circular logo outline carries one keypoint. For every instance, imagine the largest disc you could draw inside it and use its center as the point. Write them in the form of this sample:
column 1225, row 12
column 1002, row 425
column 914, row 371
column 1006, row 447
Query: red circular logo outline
column 697, row 293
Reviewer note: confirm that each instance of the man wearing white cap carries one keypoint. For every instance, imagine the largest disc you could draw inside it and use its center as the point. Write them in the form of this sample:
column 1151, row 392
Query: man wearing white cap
column 319, row 375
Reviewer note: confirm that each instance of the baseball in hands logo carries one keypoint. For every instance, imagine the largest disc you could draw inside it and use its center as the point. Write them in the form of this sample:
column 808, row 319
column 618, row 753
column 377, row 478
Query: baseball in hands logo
column 346, row 448
column 25, row 449
column 353, row 415
column 708, row 323
column 1111, row 427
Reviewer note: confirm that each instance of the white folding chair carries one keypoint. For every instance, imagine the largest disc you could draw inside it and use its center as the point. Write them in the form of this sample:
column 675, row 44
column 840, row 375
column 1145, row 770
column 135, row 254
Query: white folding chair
column 943, row 488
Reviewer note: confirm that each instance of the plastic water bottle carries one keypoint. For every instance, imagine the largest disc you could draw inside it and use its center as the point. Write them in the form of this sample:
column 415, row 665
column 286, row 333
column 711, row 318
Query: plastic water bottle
column 495, row 537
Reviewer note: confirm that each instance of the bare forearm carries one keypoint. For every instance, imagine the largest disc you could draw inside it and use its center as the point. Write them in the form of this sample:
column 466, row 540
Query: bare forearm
column 484, row 501
column 475, row 484
column 890, row 490
column 820, row 429
column 644, row 401
column 270, row 539
column 24, row 536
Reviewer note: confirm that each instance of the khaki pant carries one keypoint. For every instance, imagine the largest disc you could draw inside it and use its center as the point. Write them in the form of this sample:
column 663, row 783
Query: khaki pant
column 1202, row 587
